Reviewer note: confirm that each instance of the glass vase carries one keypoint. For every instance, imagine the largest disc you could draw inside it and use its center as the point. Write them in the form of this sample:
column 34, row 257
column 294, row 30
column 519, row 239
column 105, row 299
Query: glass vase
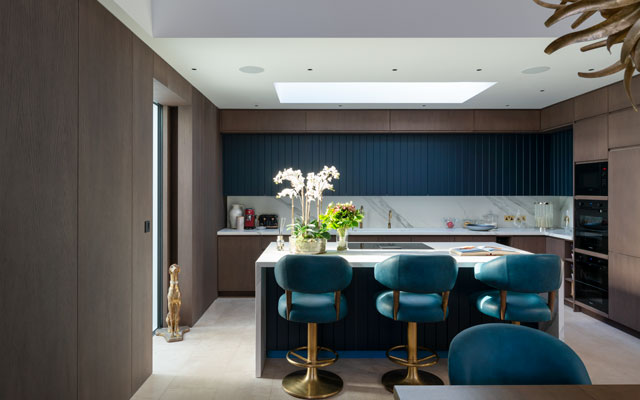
column 342, row 239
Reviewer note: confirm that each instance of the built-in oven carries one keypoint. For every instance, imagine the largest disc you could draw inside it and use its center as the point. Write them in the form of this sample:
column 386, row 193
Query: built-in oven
column 592, row 281
column 591, row 179
column 591, row 231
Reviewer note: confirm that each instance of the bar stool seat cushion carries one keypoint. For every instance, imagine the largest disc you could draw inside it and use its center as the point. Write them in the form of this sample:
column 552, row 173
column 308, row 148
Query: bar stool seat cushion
column 312, row 308
column 412, row 307
column 521, row 307
column 505, row 354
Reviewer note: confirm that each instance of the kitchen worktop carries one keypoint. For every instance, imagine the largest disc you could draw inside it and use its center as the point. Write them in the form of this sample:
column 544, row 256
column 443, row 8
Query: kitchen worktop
column 556, row 233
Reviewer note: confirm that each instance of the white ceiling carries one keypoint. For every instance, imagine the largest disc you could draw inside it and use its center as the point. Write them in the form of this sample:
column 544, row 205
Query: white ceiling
column 503, row 37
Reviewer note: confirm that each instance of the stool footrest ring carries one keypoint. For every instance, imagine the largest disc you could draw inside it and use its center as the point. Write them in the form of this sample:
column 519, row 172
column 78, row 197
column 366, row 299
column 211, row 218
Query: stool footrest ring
column 305, row 363
column 421, row 362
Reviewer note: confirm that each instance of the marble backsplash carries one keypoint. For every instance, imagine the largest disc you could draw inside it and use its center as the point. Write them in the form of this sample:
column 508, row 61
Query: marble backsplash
column 423, row 211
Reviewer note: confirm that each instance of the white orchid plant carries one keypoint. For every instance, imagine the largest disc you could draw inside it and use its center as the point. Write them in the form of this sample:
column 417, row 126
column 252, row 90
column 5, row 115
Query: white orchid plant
column 307, row 192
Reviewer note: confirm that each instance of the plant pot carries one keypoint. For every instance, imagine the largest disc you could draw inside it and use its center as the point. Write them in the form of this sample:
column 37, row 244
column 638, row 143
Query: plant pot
column 310, row 246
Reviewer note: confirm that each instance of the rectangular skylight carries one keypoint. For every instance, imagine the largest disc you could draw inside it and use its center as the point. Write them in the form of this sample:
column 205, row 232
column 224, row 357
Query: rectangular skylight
column 378, row 92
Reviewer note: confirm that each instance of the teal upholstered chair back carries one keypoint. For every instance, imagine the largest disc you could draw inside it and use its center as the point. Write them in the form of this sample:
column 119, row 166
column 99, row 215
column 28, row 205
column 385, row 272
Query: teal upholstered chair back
column 313, row 274
column 524, row 273
column 417, row 273
column 501, row 354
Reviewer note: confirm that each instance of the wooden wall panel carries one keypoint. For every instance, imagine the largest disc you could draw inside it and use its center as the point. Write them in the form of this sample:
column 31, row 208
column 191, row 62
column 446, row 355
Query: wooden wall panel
column 431, row 120
column 591, row 104
column 624, row 208
column 590, row 141
column 507, row 120
column 624, row 290
column 184, row 209
column 104, row 205
column 263, row 121
column 168, row 76
column 624, row 128
column 38, row 198
column 618, row 97
column 557, row 115
column 142, row 261
column 197, row 267
column 347, row 120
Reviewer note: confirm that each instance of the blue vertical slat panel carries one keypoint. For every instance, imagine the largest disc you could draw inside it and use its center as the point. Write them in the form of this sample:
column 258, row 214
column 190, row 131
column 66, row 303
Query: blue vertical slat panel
column 406, row 164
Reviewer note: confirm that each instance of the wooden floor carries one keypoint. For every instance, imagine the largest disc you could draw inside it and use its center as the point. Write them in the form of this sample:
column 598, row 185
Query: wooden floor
column 216, row 359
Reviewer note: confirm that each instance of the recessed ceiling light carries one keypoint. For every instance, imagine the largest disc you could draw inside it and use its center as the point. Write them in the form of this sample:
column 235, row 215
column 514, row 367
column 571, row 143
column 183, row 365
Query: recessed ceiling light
column 394, row 69
column 194, row 69
column 479, row 69
column 339, row 105
column 379, row 92
column 251, row 69
column 424, row 105
column 507, row 105
column 309, row 69
column 256, row 105
column 541, row 90
column 591, row 69
column 535, row 70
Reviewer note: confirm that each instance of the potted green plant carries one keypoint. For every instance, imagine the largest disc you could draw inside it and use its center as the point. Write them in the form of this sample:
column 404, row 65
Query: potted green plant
column 307, row 236
column 342, row 216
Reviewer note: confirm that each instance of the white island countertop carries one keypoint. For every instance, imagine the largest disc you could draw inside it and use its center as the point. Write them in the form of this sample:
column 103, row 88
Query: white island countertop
column 369, row 257
column 556, row 233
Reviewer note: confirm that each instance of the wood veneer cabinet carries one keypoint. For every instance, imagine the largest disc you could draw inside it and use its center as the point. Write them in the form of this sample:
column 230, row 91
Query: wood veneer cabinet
column 590, row 141
column 624, row 128
column 557, row 115
column 532, row 244
column 236, row 263
column 591, row 104
column 624, row 290
column 624, row 208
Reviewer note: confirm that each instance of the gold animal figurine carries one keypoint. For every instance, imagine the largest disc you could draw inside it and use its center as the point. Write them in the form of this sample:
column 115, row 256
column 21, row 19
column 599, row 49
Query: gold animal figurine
column 173, row 332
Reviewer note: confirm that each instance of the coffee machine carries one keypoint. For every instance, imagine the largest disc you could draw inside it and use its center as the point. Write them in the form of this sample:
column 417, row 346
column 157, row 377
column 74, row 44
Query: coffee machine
column 249, row 218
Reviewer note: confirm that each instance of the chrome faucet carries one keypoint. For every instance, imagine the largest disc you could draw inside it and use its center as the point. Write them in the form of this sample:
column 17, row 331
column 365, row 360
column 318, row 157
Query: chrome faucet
column 389, row 223
column 361, row 211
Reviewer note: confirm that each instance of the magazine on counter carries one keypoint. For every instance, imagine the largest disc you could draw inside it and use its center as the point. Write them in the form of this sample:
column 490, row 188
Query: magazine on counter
column 481, row 251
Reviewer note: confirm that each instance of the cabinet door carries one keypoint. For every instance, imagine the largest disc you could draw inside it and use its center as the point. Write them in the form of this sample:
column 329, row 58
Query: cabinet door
column 624, row 207
column 431, row 239
column 624, row 290
column 624, row 128
column 532, row 244
column 237, row 257
column 590, row 139
column 474, row 238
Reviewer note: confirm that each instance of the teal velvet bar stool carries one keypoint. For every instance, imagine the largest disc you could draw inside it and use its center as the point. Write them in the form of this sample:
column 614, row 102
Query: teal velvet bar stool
column 313, row 295
column 420, row 286
column 502, row 354
column 519, row 278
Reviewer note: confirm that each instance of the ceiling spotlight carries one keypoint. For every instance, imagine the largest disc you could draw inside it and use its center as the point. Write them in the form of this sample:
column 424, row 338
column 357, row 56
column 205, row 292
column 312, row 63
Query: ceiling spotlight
column 256, row 105
column 535, row 70
column 541, row 90
column 507, row 105
column 591, row 69
column 394, row 69
column 309, row 69
column 194, row 69
column 424, row 105
column 479, row 69
column 339, row 105
column 251, row 69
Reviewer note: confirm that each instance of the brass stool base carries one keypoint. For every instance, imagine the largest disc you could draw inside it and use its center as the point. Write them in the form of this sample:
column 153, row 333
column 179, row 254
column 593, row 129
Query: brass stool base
column 401, row 377
column 325, row 384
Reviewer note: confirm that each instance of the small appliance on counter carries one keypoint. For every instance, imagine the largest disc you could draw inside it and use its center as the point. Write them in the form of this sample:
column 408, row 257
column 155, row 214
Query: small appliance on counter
column 249, row 218
column 269, row 221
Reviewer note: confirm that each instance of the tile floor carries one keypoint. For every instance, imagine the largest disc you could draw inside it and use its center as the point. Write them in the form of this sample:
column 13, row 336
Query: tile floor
column 216, row 359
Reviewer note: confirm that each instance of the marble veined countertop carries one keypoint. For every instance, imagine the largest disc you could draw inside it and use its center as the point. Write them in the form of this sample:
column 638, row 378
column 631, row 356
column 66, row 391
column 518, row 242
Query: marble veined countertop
column 368, row 258
column 557, row 233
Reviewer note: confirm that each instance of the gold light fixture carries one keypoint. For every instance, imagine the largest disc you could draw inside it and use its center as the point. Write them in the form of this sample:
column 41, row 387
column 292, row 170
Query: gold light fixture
column 621, row 25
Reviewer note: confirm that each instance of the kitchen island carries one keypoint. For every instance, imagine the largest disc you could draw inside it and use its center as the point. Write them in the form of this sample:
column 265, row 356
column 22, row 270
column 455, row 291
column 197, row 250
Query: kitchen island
column 364, row 333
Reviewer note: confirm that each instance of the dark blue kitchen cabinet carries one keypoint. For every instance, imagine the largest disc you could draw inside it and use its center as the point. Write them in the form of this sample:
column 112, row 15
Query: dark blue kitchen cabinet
column 520, row 164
